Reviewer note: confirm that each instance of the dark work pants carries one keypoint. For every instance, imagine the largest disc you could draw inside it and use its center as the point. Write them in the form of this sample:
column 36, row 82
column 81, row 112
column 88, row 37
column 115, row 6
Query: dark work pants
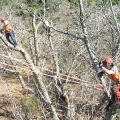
column 113, row 98
column 12, row 36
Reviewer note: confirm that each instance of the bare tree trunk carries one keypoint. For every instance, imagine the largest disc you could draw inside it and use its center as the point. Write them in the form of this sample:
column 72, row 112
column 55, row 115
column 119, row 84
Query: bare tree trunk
column 85, row 40
column 113, row 112
column 117, row 48
column 37, row 75
column 55, row 57
column 58, row 88
column 40, row 83
column 36, row 42
column 90, row 51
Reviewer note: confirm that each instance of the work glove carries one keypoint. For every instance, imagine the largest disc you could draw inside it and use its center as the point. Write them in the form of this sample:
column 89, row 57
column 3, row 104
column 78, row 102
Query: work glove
column 100, row 74
column 100, row 64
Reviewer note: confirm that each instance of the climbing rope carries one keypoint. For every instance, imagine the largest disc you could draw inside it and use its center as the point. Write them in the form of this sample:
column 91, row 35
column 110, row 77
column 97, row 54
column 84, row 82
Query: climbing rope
column 52, row 74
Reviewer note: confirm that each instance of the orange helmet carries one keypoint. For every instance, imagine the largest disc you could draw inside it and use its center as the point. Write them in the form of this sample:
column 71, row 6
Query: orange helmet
column 2, row 19
column 108, row 60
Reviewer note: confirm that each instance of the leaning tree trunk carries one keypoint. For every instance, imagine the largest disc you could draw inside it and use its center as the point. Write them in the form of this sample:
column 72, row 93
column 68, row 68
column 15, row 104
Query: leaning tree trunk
column 37, row 75
column 115, row 53
column 114, row 110
column 58, row 87
column 90, row 50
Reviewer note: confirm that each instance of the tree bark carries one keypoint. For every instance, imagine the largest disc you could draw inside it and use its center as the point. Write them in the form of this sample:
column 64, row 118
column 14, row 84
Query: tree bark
column 117, row 48
column 37, row 75
column 36, row 42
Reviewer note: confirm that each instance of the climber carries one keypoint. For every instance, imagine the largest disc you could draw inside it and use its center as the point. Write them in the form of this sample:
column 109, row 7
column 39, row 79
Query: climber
column 111, row 70
column 8, row 32
column 47, row 27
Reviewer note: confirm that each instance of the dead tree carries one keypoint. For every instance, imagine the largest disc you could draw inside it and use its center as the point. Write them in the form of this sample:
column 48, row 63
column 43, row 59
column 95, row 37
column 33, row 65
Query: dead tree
column 37, row 75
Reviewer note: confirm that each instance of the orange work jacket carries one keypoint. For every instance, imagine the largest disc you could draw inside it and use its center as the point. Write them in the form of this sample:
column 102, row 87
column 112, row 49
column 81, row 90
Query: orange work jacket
column 7, row 27
column 114, row 77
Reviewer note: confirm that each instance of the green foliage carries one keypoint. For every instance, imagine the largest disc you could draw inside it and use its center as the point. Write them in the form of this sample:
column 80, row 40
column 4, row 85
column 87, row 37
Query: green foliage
column 73, row 1
column 4, row 2
column 24, row 42
column 118, row 17
column 21, row 13
column 27, row 26
column 42, row 11
column 76, row 1
column 114, row 2
column 33, row 3
column 89, row 1
column 30, row 103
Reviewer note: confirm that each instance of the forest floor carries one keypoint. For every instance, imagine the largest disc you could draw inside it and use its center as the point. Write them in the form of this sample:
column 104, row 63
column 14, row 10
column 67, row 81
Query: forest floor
column 11, row 93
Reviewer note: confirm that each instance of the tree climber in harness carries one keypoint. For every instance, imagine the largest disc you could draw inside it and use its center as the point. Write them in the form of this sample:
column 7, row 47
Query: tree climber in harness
column 111, row 70
column 47, row 27
column 8, row 32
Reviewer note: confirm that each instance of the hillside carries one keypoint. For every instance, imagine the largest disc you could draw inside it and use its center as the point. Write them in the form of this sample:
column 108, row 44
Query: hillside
column 10, row 94
column 52, row 73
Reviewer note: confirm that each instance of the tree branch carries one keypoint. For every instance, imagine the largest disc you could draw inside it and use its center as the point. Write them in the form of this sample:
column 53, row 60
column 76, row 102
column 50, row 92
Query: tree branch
column 38, row 77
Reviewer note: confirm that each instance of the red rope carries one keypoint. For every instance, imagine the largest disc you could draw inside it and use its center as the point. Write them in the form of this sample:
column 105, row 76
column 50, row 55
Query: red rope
column 79, row 81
